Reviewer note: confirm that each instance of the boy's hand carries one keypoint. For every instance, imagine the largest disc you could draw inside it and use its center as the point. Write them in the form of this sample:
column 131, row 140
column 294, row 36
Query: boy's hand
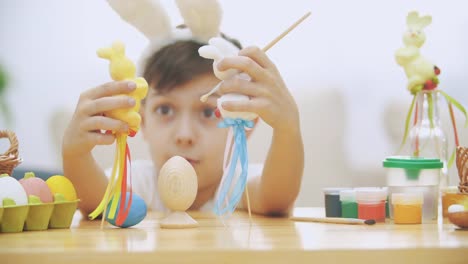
column 269, row 96
column 84, row 131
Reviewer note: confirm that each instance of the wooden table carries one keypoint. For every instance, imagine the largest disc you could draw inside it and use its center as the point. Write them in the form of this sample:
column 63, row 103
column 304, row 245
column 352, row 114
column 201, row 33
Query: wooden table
column 269, row 240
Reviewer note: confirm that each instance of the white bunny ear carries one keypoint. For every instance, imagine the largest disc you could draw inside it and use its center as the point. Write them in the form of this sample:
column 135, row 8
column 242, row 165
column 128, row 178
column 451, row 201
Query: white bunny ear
column 145, row 15
column 210, row 52
column 203, row 17
column 224, row 46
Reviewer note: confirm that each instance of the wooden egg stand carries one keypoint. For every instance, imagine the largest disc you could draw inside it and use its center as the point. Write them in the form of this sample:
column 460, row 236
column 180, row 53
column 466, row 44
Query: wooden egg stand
column 10, row 159
column 460, row 218
column 177, row 187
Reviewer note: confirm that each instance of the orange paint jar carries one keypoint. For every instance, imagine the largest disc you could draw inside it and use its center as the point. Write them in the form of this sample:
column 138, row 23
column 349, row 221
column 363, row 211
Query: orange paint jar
column 407, row 208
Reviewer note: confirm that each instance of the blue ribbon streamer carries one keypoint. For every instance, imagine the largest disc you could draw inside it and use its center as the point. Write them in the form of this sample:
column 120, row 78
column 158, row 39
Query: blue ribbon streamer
column 240, row 152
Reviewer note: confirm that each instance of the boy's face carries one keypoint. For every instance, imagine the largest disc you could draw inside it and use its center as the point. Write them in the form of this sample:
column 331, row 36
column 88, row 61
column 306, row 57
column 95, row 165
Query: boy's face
column 178, row 123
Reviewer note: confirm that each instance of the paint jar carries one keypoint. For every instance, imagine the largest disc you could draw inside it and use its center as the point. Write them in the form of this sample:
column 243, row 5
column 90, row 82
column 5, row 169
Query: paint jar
column 371, row 203
column 451, row 195
column 407, row 208
column 415, row 174
column 349, row 207
column 332, row 201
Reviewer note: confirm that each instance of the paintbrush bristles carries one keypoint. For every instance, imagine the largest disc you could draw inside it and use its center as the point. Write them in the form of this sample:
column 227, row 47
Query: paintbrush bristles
column 205, row 96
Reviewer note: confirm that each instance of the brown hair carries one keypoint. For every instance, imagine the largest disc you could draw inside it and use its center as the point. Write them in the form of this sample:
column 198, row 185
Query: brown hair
column 178, row 63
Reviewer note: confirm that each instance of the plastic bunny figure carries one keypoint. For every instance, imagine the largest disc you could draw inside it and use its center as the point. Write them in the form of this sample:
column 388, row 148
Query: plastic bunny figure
column 217, row 49
column 421, row 73
column 231, row 187
column 123, row 69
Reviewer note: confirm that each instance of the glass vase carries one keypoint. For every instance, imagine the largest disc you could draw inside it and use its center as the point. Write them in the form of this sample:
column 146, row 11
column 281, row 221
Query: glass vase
column 427, row 137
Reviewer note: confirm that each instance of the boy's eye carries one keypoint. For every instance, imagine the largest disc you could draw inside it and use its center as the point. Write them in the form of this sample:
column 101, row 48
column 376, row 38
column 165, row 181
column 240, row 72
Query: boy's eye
column 164, row 110
column 208, row 113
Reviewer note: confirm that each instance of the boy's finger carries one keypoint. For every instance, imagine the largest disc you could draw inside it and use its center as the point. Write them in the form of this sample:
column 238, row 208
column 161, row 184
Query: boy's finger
column 98, row 138
column 243, row 64
column 259, row 56
column 98, row 123
column 240, row 106
column 238, row 85
column 105, row 104
column 109, row 89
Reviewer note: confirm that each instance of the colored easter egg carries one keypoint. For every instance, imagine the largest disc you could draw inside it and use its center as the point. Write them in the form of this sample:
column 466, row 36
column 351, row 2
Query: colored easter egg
column 61, row 185
column 37, row 187
column 11, row 192
column 136, row 214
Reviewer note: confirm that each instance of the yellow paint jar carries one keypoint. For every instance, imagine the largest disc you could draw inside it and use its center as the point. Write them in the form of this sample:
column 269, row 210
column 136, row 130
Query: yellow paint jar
column 407, row 208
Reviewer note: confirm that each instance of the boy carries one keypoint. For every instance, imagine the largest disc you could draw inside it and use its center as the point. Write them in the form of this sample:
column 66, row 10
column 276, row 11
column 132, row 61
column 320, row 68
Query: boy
column 176, row 122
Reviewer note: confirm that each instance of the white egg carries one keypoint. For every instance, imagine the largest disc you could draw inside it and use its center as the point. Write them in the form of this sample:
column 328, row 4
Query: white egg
column 455, row 208
column 177, row 184
column 12, row 189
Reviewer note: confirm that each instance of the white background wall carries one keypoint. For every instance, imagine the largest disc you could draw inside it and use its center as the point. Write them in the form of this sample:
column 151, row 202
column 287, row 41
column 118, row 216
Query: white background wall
column 49, row 50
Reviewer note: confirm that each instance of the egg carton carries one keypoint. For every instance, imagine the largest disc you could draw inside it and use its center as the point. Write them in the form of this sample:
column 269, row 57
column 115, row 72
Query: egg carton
column 24, row 207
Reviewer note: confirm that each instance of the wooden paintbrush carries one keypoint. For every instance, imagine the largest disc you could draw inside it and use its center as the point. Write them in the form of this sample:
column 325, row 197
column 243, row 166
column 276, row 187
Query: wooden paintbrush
column 334, row 220
column 204, row 97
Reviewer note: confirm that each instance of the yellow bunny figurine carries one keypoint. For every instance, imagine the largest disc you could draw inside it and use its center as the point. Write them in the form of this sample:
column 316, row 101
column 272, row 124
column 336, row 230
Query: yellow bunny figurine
column 422, row 83
column 421, row 73
column 123, row 69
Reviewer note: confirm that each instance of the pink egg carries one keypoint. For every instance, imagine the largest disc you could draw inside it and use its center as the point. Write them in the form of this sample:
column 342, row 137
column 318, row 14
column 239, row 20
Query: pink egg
column 37, row 187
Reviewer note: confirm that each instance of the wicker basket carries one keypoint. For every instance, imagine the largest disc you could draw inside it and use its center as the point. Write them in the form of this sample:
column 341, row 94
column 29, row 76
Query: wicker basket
column 10, row 159
column 462, row 166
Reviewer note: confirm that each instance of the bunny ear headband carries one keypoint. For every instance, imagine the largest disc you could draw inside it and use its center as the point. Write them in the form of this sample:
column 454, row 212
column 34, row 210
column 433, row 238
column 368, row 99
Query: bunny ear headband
column 202, row 18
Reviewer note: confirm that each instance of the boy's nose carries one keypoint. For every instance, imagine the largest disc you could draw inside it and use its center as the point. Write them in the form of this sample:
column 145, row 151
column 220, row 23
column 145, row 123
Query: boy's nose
column 184, row 140
column 185, row 132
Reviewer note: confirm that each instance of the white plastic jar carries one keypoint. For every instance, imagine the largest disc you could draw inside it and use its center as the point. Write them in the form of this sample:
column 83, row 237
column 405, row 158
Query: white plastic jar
column 415, row 174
